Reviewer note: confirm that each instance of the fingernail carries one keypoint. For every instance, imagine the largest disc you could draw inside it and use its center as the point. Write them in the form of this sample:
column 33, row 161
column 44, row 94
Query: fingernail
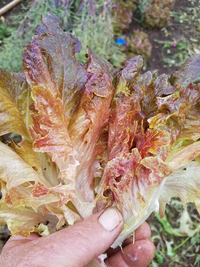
column 110, row 219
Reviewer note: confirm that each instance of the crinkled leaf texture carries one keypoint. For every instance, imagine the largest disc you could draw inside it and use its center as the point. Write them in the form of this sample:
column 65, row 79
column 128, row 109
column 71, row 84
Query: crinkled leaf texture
column 94, row 137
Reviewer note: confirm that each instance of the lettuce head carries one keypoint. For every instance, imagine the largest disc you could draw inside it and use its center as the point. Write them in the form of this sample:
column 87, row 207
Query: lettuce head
column 93, row 136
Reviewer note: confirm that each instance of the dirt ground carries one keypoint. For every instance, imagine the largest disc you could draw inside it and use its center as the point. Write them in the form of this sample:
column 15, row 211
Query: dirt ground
column 182, row 27
column 15, row 10
column 177, row 31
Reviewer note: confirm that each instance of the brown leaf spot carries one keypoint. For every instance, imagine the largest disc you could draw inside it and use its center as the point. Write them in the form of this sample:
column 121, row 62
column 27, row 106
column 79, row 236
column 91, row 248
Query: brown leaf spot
column 32, row 107
column 107, row 193
column 35, row 169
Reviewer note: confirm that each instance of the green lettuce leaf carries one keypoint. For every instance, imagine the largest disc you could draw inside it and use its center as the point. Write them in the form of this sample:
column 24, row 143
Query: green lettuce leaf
column 11, row 119
column 15, row 114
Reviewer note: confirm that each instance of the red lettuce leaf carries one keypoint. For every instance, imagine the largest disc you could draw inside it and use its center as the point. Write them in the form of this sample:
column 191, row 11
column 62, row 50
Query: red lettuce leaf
column 188, row 73
column 102, row 137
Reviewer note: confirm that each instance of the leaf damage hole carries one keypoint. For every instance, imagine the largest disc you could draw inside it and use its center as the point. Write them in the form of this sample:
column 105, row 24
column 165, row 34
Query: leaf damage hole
column 35, row 168
column 46, row 61
column 118, row 178
column 32, row 107
column 133, row 146
column 184, row 169
column 10, row 138
column 107, row 193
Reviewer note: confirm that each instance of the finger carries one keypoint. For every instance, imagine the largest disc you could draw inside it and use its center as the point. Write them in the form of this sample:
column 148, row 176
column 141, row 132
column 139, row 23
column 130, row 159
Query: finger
column 139, row 254
column 32, row 236
column 17, row 240
column 77, row 245
column 143, row 232
column 15, row 249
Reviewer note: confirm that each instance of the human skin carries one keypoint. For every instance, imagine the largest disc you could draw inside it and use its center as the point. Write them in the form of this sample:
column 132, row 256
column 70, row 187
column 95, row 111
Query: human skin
column 77, row 245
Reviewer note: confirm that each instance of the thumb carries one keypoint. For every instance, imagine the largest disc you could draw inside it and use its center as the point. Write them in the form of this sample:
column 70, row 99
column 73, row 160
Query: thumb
column 88, row 239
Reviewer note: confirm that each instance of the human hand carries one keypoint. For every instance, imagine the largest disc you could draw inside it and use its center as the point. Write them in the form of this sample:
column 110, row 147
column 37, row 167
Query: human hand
column 77, row 245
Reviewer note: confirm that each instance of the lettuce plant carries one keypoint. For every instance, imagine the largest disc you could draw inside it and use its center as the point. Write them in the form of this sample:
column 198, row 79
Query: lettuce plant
column 122, row 14
column 93, row 137
column 138, row 44
column 157, row 13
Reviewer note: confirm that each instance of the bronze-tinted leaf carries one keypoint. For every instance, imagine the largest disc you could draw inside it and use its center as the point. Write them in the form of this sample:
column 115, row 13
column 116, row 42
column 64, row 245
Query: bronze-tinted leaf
column 66, row 72
column 188, row 73
column 11, row 119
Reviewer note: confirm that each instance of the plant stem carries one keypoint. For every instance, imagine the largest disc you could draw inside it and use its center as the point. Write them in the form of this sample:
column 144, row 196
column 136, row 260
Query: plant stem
column 9, row 6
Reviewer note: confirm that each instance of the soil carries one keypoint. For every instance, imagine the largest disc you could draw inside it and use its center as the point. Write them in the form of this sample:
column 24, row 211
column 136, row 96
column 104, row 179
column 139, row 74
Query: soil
column 187, row 255
column 14, row 11
column 176, row 30
column 184, row 30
